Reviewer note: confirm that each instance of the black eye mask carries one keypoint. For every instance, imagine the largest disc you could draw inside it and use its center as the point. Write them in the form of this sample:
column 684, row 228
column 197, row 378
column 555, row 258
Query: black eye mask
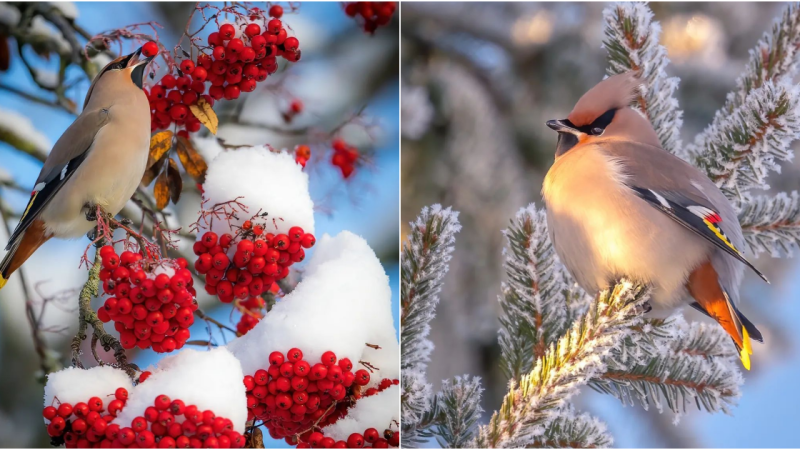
column 597, row 127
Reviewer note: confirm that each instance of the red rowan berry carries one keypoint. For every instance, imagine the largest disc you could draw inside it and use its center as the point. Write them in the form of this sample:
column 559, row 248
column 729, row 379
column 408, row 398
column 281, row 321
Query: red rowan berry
column 150, row 49
column 227, row 31
column 276, row 11
column 179, row 111
column 355, row 440
column 49, row 412
column 252, row 30
column 291, row 44
column 274, row 26
column 64, row 410
column 232, row 92
column 187, row 66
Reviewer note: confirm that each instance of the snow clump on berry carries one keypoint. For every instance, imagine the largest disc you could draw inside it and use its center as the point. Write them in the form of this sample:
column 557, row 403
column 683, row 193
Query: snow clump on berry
column 73, row 385
column 344, row 287
column 210, row 380
column 268, row 181
column 383, row 408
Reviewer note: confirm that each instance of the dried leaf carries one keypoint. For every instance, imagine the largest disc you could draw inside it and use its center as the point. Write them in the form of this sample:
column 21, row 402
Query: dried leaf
column 254, row 439
column 206, row 115
column 151, row 173
column 192, row 161
column 160, row 143
column 175, row 181
column 161, row 190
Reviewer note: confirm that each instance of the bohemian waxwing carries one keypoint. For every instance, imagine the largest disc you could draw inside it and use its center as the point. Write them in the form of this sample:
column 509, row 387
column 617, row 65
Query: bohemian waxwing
column 98, row 161
column 619, row 205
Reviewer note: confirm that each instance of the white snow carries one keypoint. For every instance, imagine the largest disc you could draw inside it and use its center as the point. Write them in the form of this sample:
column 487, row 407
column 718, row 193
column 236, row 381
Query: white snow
column 208, row 147
column 19, row 125
column 73, row 385
column 210, row 380
column 68, row 9
column 378, row 411
column 270, row 182
column 342, row 303
column 9, row 15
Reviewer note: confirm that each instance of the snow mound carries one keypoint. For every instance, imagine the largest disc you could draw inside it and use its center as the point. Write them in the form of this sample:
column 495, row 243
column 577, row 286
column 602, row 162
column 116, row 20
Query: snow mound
column 210, row 380
column 380, row 411
column 271, row 182
column 342, row 303
column 73, row 385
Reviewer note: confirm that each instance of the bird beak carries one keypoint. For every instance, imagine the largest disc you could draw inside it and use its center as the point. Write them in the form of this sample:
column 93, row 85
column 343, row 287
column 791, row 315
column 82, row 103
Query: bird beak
column 568, row 135
column 562, row 126
column 135, row 59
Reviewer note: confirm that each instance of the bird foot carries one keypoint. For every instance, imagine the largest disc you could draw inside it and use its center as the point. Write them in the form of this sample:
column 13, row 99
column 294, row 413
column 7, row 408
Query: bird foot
column 647, row 307
column 95, row 211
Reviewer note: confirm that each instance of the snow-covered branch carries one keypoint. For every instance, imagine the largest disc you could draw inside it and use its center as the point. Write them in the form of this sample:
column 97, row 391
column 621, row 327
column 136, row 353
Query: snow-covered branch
column 674, row 362
column 771, row 224
column 530, row 407
column 424, row 263
column 632, row 44
column 536, row 296
column 574, row 430
column 741, row 147
column 459, row 403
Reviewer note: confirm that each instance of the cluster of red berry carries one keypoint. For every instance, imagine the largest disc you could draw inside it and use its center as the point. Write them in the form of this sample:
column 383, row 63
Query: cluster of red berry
column 148, row 310
column 295, row 108
column 166, row 424
column 374, row 14
column 302, row 153
column 252, row 311
column 371, row 438
column 232, row 65
column 259, row 260
column 344, row 157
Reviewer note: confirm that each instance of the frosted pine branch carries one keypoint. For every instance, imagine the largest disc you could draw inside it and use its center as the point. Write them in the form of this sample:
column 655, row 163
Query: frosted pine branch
column 774, row 58
column 739, row 149
column 460, row 409
column 573, row 430
column 424, row 262
column 698, row 366
column 577, row 357
column 771, row 224
column 535, row 297
column 632, row 45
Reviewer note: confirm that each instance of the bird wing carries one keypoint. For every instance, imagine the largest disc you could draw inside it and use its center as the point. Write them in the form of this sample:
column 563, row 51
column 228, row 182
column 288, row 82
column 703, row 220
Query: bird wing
column 65, row 157
column 700, row 219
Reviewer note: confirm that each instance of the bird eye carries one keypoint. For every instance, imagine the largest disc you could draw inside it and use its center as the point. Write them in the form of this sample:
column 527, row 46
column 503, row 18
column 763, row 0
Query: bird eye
column 597, row 131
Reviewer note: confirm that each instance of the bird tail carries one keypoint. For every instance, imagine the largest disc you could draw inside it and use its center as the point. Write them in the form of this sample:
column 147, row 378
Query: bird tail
column 712, row 300
column 22, row 249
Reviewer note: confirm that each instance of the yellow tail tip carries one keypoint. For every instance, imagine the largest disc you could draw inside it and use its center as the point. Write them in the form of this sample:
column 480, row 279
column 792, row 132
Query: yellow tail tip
column 2, row 282
column 746, row 351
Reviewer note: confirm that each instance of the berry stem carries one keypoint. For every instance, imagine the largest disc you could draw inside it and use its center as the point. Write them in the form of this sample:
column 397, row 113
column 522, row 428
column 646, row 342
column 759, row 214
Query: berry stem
column 87, row 316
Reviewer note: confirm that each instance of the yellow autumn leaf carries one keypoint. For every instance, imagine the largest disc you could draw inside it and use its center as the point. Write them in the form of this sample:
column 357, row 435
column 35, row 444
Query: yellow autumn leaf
column 160, row 143
column 191, row 160
column 161, row 190
column 206, row 115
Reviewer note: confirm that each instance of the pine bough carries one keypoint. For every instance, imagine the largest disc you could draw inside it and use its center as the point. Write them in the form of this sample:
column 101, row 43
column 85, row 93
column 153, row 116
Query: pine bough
column 553, row 337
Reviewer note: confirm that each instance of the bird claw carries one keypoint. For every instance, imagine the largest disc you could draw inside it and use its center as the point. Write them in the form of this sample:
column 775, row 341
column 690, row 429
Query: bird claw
column 91, row 212
column 647, row 307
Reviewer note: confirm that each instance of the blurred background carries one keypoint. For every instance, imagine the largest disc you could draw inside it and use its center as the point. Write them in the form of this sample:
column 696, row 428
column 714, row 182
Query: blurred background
column 479, row 80
column 342, row 71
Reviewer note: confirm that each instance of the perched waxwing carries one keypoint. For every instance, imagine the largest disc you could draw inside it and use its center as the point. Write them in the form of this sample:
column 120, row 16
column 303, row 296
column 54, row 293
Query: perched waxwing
column 98, row 161
column 620, row 206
